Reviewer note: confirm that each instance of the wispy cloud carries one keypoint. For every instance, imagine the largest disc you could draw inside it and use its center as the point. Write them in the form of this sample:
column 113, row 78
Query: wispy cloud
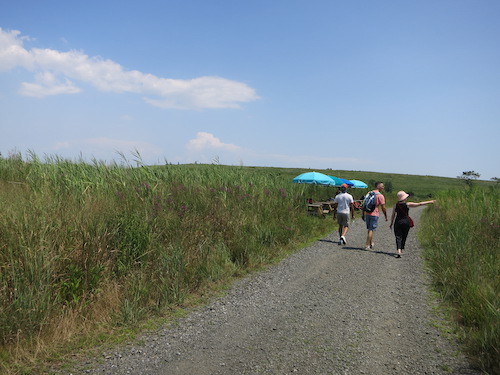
column 47, row 84
column 207, row 146
column 109, row 148
column 126, row 118
column 311, row 160
column 56, row 71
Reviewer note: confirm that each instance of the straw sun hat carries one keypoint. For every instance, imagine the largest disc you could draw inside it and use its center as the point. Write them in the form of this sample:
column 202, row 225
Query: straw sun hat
column 402, row 196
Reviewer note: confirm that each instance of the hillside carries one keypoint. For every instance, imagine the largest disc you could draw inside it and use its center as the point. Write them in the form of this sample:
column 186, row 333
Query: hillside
column 417, row 185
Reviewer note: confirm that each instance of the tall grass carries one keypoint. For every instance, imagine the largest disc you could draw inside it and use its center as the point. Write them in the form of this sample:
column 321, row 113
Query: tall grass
column 91, row 247
column 461, row 236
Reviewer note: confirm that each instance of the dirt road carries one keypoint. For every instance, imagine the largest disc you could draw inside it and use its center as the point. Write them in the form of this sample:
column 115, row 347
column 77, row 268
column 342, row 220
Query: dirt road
column 328, row 309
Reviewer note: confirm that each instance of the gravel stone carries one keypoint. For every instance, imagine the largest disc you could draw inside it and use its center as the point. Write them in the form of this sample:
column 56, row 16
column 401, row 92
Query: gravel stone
column 327, row 309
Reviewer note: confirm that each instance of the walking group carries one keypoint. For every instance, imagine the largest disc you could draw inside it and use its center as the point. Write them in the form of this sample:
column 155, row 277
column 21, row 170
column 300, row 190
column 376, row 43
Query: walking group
column 373, row 204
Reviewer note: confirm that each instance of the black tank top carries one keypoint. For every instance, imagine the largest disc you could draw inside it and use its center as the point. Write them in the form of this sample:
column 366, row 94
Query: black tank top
column 402, row 211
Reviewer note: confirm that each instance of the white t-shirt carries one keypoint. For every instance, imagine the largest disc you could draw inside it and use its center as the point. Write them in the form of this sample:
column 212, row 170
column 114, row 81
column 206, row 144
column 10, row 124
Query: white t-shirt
column 343, row 201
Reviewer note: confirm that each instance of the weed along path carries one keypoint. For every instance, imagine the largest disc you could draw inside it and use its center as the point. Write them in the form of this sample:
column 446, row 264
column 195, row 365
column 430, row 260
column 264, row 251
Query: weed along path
column 328, row 309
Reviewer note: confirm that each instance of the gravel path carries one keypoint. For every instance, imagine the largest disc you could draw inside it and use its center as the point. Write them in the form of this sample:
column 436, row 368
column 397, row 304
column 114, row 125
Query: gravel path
column 328, row 309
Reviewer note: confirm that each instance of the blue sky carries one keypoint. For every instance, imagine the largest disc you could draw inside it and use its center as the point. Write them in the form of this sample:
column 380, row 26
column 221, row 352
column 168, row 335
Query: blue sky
column 389, row 86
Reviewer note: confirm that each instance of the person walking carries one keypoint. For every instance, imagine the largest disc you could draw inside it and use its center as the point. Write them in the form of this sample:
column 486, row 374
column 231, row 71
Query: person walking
column 343, row 204
column 371, row 218
column 402, row 221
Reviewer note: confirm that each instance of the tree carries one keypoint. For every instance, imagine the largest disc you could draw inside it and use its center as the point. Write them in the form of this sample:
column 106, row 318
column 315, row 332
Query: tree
column 468, row 177
column 388, row 186
column 496, row 179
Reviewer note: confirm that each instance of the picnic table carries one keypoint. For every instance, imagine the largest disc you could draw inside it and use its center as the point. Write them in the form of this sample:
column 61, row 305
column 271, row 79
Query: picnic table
column 326, row 207
column 320, row 208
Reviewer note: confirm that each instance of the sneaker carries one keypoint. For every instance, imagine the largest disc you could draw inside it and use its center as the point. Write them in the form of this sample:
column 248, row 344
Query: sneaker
column 368, row 248
column 340, row 241
column 343, row 240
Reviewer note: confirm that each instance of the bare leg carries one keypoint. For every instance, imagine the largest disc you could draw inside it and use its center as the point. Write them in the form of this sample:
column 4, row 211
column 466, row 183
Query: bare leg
column 369, row 238
column 344, row 231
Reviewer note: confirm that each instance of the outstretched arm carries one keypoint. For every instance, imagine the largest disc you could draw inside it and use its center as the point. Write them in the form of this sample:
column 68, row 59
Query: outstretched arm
column 414, row 204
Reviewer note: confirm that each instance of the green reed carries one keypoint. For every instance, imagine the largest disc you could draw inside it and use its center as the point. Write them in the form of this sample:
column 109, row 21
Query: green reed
column 117, row 243
column 461, row 236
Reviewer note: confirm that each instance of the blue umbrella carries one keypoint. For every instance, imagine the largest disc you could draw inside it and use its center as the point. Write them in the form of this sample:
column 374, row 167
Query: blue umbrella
column 359, row 184
column 337, row 182
column 348, row 182
column 315, row 178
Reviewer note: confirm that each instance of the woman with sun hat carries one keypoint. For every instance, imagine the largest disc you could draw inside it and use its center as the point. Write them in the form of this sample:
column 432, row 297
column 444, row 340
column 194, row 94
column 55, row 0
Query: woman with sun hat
column 403, row 222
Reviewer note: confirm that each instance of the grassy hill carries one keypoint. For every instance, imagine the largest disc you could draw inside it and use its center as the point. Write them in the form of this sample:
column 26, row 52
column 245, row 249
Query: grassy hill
column 419, row 187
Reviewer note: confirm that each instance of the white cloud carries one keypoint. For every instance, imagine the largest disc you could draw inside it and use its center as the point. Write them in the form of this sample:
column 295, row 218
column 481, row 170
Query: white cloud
column 12, row 53
column 107, row 75
column 207, row 141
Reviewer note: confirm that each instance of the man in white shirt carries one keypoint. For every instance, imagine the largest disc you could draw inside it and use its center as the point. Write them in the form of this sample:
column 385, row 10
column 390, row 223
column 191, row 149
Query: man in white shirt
column 343, row 203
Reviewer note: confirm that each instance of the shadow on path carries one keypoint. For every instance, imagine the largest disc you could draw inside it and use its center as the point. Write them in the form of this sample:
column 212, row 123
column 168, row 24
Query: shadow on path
column 393, row 255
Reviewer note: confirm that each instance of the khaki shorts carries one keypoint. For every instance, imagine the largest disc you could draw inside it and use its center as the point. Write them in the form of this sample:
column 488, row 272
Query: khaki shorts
column 343, row 219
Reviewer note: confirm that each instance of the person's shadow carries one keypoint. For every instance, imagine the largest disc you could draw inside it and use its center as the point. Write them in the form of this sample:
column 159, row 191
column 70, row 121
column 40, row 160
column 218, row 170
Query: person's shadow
column 329, row 241
column 394, row 255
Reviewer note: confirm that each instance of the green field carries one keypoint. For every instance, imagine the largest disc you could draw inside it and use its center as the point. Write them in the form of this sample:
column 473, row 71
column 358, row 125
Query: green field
column 89, row 251
column 461, row 238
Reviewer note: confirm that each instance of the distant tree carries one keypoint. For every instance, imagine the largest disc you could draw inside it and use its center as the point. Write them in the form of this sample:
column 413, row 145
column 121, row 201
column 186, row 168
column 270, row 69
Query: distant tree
column 469, row 177
column 496, row 179
column 388, row 186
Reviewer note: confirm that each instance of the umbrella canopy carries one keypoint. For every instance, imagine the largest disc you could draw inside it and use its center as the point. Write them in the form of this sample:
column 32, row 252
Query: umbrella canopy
column 359, row 184
column 336, row 181
column 315, row 178
column 339, row 181
column 348, row 182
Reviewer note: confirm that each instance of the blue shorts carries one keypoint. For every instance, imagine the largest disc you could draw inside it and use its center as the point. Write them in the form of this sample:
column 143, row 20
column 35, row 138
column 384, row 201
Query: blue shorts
column 371, row 222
